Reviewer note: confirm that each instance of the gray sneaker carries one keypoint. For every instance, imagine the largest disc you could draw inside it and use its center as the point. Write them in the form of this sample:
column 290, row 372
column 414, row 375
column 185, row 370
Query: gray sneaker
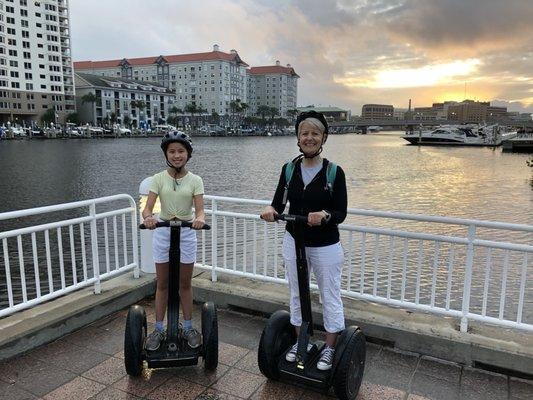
column 193, row 337
column 154, row 339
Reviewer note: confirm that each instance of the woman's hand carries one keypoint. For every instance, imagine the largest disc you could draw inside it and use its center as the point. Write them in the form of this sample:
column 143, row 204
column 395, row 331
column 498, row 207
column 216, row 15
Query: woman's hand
column 198, row 223
column 150, row 222
column 316, row 218
column 269, row 213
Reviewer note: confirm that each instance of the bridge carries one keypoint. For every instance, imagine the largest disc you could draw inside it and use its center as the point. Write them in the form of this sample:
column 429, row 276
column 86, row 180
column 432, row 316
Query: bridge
column 411, row 124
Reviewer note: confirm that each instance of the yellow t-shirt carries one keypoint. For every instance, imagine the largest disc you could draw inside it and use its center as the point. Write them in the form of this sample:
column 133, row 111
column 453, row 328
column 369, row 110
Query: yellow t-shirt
column 176, row 196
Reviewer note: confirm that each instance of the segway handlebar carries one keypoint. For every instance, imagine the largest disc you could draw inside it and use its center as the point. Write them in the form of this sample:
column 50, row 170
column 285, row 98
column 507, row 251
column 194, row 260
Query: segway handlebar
column 301, row 219
column 170, row 224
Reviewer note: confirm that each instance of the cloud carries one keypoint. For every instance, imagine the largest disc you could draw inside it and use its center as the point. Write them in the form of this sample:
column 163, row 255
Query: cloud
column 347, row 52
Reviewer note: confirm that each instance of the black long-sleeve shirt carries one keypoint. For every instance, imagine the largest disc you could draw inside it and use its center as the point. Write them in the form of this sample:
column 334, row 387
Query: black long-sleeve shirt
column 314, row 197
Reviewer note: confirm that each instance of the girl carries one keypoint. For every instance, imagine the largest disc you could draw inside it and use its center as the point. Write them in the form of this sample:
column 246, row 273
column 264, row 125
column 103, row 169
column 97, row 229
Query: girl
column 178, row 189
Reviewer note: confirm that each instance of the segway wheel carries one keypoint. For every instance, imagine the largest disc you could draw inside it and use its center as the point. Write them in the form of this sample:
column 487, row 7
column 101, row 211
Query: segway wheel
column 348, row 372
column 276, row 338
column 134, row 337
column 210, row 336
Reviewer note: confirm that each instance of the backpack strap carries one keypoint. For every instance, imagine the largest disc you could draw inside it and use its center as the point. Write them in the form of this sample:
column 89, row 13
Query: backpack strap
column 289, row 171
column 331, row 173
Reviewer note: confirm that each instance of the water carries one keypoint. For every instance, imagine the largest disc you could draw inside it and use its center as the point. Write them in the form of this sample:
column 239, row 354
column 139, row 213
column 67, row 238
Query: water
column 383, row 173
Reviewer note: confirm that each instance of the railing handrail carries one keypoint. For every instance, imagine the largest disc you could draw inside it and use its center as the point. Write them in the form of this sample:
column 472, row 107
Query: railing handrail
column 65, row 206
column 399, row 215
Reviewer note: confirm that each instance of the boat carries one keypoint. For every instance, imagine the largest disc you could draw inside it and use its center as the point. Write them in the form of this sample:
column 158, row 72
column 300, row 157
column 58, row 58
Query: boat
column 522, row 142
column 461, row 135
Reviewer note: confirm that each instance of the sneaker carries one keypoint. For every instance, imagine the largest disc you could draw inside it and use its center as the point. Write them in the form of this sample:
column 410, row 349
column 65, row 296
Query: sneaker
column 326, row 359
column 291, row 355
column 193, row 337
column 153, row 341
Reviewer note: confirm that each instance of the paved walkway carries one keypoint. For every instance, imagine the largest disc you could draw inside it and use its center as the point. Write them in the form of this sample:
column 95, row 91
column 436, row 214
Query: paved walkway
column 88, row 364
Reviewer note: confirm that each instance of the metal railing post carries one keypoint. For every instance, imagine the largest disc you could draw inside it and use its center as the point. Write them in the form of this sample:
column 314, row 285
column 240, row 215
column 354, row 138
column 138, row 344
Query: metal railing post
column 214, row 241
column 468, row 277
column 94, row 249
column 135, row 245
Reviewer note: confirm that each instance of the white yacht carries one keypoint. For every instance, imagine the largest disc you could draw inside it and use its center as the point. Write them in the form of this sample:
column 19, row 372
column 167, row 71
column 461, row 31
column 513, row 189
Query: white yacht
column 461, row 135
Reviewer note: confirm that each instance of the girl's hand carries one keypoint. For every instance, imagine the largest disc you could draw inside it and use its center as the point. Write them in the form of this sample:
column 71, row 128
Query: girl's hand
column 268, row 214
column 315, row 218
column 198, row 223
column 150, row 222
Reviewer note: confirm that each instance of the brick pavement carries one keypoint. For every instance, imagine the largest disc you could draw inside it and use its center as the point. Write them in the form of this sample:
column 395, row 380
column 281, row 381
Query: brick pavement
column 88, row 364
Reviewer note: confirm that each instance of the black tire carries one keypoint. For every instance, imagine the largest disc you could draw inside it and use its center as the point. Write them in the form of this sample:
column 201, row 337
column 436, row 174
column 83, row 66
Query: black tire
column 350, row 363
column 210, row 336
column 276, row 338
column 134, row 337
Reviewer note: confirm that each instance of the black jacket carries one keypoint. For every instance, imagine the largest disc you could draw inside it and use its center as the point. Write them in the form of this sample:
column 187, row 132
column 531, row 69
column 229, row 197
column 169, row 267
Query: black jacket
column 315, row 197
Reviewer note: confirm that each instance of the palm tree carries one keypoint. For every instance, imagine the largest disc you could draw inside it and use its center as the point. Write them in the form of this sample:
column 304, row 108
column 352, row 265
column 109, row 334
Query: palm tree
column 88, row 98
column 292, row 113
column 263, row 111
column 192, row 109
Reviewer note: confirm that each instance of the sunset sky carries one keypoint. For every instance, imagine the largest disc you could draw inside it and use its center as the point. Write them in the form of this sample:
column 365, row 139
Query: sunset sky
column 347, row 53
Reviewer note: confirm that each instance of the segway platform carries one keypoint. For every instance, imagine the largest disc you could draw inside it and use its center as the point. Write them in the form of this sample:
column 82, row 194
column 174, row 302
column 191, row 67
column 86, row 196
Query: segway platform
column 164, row 358
column 310, row 375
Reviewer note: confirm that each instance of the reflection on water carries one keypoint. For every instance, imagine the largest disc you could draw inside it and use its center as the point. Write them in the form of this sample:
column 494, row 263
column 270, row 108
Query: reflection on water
column 382, row 174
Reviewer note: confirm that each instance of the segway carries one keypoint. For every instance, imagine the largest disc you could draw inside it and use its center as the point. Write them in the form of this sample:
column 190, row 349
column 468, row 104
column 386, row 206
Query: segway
column 279, row 336
column 174, row 351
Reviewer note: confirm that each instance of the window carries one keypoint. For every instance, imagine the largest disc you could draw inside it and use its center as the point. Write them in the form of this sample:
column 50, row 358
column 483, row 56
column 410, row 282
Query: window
column 27, row 65
column 15, row 85
column 10, row 20
column 11, row 31
column 13, row 53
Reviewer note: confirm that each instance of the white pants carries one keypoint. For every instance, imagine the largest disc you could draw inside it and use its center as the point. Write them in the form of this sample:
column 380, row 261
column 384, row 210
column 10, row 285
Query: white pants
column 326, row 263
column 161, row 245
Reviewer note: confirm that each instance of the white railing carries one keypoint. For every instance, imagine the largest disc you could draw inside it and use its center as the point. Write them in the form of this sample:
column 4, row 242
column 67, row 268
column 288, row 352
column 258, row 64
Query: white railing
column 464, row 277
column 75, row 259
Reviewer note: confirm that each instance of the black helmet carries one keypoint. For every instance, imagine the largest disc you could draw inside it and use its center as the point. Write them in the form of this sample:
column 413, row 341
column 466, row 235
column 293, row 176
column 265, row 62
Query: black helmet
column 312, row 114
column 179, row 137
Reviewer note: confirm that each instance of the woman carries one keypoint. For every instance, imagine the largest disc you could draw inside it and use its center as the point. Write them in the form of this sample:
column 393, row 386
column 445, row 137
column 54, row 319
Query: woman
column 310, row 193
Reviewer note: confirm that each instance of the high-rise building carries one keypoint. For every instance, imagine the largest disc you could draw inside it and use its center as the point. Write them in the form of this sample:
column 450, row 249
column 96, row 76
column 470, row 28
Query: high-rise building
column 35, row 60
column 275, row 86
column 208, row 80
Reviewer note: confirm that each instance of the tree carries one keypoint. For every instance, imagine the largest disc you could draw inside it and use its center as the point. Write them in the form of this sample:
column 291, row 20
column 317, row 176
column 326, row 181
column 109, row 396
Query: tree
column 113, row 117
column 49, row 116
column 73, row 118
column 292, row 113
column 192, row 109
column 263, row 111
column 273, row 112
column 88, row 98
column 127, row 121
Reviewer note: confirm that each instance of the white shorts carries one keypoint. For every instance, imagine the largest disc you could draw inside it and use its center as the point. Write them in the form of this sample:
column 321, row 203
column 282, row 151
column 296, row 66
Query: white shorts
column 161, row 245
column 326, row 263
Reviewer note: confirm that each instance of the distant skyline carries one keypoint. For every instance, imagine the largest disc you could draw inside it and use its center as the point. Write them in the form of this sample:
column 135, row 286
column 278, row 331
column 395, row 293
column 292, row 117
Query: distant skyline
column 347, row 53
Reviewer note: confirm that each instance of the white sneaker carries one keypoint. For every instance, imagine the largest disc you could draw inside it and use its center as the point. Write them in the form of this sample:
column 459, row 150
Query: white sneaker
column 326, row 359
column 291, row 355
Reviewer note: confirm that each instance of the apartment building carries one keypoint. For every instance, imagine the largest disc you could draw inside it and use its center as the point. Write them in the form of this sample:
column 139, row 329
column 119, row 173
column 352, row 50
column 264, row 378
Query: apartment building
column 35, row 60
column 208, row 80
column 274, row 86
column 122, row 100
